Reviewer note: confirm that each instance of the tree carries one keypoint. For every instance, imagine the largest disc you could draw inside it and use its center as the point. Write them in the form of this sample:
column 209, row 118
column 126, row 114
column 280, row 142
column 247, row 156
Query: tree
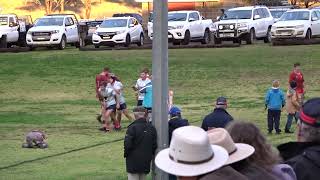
column 88, row 8
column 308, row 3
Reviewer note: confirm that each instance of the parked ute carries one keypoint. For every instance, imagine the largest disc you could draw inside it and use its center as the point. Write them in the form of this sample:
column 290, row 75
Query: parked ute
column 118, row 30
column 277, row 11
column 244, row 23
column 12, row 30
column 54, row 31
column 185, row 26
column 297, row 24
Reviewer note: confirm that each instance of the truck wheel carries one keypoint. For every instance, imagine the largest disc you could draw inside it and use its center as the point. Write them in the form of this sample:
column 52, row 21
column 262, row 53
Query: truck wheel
column 206, row 37
column 141, row 42
column 128, row 41
column 63, row 43
column 308, row 35
column 186, row 39
column 251, row 37
column 267, row 39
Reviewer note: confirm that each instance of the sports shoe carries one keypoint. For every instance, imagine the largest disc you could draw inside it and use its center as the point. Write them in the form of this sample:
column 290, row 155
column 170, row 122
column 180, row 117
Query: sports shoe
column 288, row 131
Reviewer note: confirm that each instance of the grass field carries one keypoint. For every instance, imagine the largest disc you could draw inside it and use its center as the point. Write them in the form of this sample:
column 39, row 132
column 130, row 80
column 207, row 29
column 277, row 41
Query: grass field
column 54, row 91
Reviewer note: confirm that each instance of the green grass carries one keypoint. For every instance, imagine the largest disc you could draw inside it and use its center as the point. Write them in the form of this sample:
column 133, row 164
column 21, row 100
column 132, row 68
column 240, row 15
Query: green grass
column 54, row 91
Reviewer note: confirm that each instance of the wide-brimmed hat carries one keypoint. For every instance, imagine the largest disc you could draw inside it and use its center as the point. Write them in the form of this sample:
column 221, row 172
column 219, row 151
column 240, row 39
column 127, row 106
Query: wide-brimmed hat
column 190, row 153
column 236, row 151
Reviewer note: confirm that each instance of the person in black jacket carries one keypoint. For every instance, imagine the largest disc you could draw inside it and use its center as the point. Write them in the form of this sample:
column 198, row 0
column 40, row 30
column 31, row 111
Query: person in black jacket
column 176, row 120
column 304, row 155
column 219, row 118
column 140, row 144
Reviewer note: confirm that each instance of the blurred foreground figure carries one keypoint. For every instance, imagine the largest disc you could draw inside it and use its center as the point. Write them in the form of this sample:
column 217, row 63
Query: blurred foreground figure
column 35, row 139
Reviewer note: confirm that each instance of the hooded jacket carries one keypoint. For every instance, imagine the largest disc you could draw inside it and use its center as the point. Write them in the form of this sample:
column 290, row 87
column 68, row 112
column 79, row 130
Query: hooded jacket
column 292, row 104
column 275, row 99
column 303, row 157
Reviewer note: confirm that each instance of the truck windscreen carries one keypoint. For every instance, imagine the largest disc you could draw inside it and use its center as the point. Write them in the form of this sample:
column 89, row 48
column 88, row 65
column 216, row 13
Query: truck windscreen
column 3, row 21
column 50, row 22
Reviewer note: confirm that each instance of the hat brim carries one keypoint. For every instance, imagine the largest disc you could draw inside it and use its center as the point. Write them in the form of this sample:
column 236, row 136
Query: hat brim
column 243, row 151
column 163, row 162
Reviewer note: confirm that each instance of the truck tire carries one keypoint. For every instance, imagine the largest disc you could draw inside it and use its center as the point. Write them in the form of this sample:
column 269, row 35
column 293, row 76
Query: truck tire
column 187, row 37
column 308, row 35
column 141, row 41
column 251, row 36
column 3, row 41
column 206, row 37
column 128, row 41
column 267, row 39
column 63, row 43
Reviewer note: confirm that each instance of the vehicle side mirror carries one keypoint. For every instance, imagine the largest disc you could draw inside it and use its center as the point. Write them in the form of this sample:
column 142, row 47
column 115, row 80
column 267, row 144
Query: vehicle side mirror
column 218, row 18
column 131, row 25
column 314, row 19
column 256, row 17
column 192, row 19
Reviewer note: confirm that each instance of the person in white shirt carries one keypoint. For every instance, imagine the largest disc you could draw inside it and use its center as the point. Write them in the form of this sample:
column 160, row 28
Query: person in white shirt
column 118, row 87
column 141, row 82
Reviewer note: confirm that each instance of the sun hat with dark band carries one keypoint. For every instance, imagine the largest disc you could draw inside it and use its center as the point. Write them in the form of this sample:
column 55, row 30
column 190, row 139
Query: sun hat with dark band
column 237, row 151
column 190, row 153
column 310, row 112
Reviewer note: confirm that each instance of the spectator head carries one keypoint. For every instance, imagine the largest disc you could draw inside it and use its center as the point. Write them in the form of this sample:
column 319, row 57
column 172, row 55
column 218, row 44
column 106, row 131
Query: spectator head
column 221, row 102
column 275, row 84
column 106, row 71
column 190, row 154
column 175, row 112
column 309, row 122
column 139, row 112
column 293, row 84
column 237, row 151
column 248, row 133
column 146, row 70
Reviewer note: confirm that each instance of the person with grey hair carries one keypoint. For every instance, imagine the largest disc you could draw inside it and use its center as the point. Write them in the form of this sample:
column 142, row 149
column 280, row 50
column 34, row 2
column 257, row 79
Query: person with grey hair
column 304, row 155
column 140, row 144
column 219, row 118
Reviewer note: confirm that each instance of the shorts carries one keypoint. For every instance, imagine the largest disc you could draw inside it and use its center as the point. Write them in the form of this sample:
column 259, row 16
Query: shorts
column 139, row 102
column 123, row 106
column 112, row 107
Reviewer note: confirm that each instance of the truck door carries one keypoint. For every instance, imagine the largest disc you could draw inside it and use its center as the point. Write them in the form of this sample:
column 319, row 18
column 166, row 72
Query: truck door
column 75, row 30
column 257, row 23
column 69, row 30
column 198, row 25
column 193, row 26
column 13, row 34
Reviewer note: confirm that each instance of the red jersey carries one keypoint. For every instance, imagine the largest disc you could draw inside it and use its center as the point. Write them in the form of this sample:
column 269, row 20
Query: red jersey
column 298, row 77
column 99, row 79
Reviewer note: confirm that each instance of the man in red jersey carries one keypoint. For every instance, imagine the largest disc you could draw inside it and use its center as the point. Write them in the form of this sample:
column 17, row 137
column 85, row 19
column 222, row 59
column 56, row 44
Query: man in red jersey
column 297, row 76
column 103, row 76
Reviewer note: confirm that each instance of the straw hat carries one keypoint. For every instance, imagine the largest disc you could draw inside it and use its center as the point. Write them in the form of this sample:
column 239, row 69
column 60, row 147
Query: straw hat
column 190, row 153
column 236, row 151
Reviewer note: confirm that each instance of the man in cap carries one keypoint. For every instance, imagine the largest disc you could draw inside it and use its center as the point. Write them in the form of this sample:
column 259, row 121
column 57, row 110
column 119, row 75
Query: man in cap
column 35, row 139
column 176, row 120
column 304, row 155
column 219, row 118
column 140, row 144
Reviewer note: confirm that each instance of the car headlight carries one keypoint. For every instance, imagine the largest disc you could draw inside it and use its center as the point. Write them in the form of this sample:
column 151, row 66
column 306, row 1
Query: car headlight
column 299, row 26
column 231, row 26
column 242, row 25
column 220, row 27
column 54, row 31
column 120, row 32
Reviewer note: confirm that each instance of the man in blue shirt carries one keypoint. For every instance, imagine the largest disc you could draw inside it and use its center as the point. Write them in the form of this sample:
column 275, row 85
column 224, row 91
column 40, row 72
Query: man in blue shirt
column 219, row 118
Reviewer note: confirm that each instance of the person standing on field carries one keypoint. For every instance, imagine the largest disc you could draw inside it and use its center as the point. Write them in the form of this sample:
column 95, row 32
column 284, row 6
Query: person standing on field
column 101, row 77
column 141, row 83
column 274, row 102
column 292, row 105
column 297, row 76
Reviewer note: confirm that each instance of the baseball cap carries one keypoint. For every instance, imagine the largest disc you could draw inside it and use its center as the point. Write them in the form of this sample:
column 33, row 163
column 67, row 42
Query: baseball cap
column 174, row 110
column 221, row 101
column 139, row 109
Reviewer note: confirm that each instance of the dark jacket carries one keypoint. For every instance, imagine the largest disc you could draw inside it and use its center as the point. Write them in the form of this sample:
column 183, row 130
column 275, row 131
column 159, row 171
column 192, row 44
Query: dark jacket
column 304, row 158
column 140, row 144
column 219, row 118
column 252, row 171
column 175, row 123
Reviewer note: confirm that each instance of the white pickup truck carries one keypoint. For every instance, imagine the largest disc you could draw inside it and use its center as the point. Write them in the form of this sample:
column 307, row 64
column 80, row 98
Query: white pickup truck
column 54, row 30
column 12, row 30
column 186, row 26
